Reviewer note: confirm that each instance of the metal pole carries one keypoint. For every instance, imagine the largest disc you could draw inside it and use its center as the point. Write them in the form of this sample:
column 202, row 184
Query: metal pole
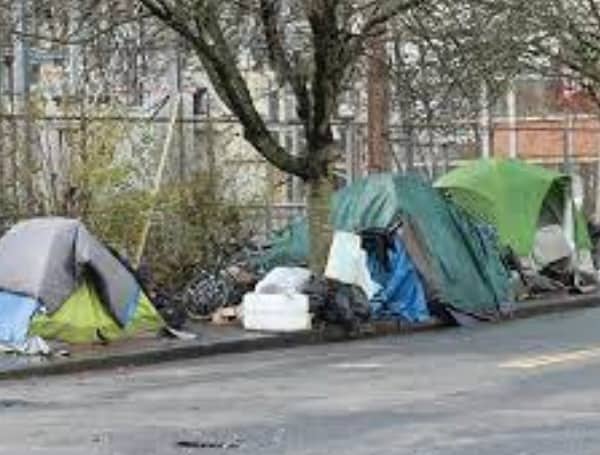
column 567, row 142
column 2, row 139
column 511, row 101
column 570, row 149
column 597, row 201
column 210, row 145
column 26, row 108
column 13, row 149
column 157, row 183
column 180, row 129
column 349, row 153
column 484, row 120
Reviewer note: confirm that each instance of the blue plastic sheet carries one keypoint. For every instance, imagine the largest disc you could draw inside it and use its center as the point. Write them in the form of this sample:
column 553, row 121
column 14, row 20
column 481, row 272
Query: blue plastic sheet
column 402, row 295
column 15, row 316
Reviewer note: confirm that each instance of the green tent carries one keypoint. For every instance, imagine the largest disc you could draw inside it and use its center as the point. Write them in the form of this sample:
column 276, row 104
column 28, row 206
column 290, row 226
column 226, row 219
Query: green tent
column 83, row 318
column 463, row 263
column 512, row 196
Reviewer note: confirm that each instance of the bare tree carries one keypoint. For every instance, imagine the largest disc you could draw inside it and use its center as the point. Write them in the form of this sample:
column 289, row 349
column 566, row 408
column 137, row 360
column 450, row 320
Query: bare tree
column 556, row 37
column 315, row 48
column 447, row 55
column 73, row 59
column 312, row 46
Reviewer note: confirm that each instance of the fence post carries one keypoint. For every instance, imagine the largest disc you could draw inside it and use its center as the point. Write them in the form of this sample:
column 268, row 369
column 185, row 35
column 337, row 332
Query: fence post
column 570, row 142
column 2, row 118
column 511, row 101
column 485, row 122
column 14, row 162
column 349, row 152
column 597, row 181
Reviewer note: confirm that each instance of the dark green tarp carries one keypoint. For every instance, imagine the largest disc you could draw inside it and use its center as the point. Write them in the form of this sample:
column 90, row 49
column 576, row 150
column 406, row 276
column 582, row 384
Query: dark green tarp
column 466, row 264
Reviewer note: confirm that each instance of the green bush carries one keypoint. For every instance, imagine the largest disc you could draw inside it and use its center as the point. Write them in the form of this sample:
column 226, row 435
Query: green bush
column 195, row 223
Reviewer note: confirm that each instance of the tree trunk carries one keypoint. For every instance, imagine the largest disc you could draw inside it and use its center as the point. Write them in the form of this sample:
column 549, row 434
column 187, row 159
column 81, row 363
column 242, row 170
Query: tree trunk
column 320, row 192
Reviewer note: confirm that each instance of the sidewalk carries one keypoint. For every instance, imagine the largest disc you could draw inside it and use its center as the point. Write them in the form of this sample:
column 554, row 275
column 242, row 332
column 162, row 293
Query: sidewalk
column 213, row 340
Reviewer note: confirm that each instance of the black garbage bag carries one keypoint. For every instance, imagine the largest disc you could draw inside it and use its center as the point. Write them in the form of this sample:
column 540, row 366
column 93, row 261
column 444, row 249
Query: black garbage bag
column 338, row 303
column 351, row 306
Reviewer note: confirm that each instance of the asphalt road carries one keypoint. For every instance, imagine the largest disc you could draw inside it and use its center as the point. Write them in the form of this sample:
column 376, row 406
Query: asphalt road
column 526, row 387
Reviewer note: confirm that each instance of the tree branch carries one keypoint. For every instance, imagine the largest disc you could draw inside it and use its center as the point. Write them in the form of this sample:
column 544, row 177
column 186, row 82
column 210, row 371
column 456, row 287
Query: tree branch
column 292, row 74
column 213, row 51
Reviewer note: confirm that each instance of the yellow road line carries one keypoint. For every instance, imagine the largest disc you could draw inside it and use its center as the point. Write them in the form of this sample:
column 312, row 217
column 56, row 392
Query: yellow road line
column 552, row 359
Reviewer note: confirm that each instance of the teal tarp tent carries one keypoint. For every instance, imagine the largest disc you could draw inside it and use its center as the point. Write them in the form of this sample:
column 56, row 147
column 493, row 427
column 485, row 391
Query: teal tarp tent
column 463, row 262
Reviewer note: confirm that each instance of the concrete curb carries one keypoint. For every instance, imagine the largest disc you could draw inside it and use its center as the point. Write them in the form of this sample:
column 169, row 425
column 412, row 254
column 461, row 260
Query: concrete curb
column 555, row 305
column 195, row 349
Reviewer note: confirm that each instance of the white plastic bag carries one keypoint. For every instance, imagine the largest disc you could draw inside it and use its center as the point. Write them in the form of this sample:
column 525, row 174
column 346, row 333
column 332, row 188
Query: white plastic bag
column 347, row 263
column 282, row 280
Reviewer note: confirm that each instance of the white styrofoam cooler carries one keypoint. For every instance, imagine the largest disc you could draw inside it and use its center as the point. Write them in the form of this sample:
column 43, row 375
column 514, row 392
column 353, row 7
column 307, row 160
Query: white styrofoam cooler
column 276, row 312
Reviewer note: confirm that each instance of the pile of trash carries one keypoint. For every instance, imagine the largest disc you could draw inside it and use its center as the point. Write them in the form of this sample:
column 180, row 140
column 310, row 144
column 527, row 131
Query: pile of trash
column 292, row 299
column 206, row 291
column 485, row 235
column 400, row 252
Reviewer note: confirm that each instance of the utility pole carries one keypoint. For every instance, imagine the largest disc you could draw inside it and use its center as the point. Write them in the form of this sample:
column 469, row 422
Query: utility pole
column 9, row 62
column 24, row 81
column 377, row 105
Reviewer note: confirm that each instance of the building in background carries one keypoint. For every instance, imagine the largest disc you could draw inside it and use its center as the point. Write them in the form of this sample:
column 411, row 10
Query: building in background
column 69, row 88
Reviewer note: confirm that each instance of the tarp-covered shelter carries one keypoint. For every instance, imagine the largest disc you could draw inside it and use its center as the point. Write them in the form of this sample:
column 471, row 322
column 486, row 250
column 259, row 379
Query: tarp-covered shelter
column 459, row 265
column 59, row 282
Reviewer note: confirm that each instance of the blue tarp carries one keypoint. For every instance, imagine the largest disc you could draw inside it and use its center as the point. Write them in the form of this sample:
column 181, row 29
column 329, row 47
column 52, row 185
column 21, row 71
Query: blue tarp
column 15, row 316
column 402, row 295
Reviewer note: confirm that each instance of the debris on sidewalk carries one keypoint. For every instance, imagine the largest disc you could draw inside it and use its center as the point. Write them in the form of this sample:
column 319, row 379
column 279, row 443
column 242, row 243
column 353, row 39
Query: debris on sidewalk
column 347, row 263
column 179, row 334
column 402, row 250
column 283, row 280
column 431, row 259
column 338, row 303
column 226, row 316
column 538, row 218
column 33, row 346
column 208, row 291
column 188, row 444
column 287, row 312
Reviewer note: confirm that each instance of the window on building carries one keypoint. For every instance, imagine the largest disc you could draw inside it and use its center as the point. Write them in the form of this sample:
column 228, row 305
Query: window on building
column 290, row 105
column 500, row 107
column 289, row 184
column 34, row 73
column 537, row 97
column 4, row 87
column 200, row 101
column 273, row 103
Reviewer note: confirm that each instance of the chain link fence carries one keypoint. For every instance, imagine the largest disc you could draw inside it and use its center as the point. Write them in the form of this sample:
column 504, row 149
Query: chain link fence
column 101, row 166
